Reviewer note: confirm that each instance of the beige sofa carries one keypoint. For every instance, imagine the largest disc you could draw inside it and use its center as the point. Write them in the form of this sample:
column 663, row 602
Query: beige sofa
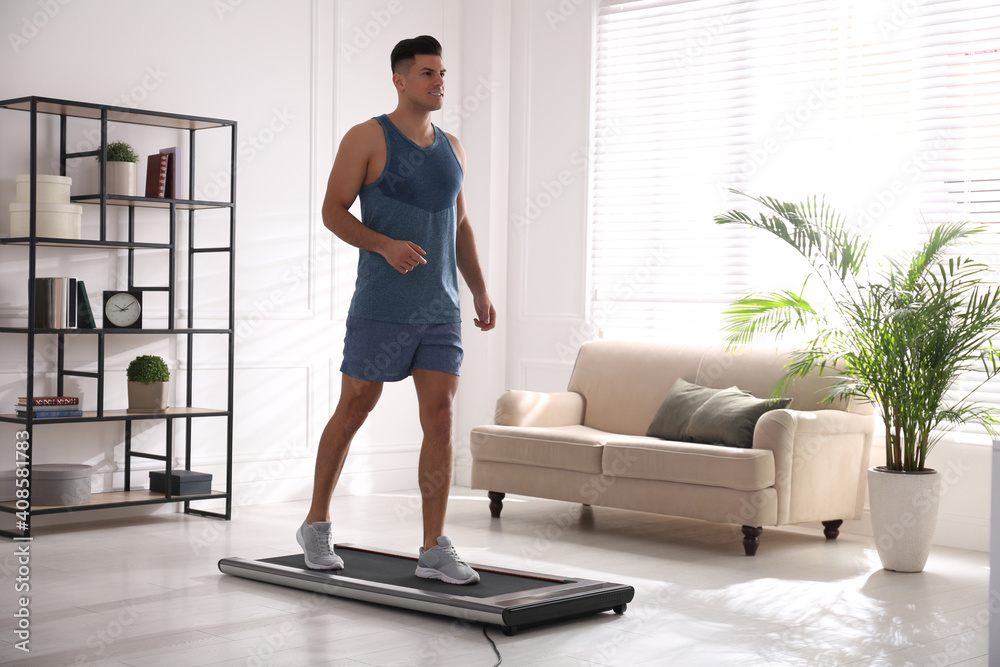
column 589, row 444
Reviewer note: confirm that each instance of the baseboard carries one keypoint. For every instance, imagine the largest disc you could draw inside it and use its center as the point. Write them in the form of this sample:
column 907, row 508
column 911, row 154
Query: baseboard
column 953, row 530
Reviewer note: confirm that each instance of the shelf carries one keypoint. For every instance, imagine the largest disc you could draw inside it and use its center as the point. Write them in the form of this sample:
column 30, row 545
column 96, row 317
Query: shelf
column 182, row 331
column 151, row 202
column 78, row 243
column 114, row 499
column 115, row 114
column 179, row 441
column 122, row 415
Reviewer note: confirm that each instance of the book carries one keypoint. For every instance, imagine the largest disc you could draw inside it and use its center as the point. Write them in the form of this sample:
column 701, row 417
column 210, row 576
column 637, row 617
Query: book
column 156, row 175
column 41, row 401
column 84, row 314
column 45, row 408
column 175, row 175
column 73, row 306
column 166, row 176
column 48, row 414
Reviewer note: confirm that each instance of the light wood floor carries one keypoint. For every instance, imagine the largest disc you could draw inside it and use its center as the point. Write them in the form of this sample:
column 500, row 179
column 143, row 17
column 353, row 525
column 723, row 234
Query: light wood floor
column 147, row 591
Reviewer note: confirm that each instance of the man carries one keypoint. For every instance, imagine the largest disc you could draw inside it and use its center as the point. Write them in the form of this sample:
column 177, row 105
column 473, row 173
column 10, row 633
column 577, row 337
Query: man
column 414, row 236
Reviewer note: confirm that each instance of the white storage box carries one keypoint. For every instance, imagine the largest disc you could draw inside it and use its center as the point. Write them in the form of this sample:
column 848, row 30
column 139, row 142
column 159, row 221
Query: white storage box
column 53, row 220
column 51, row 189
column 60, row 484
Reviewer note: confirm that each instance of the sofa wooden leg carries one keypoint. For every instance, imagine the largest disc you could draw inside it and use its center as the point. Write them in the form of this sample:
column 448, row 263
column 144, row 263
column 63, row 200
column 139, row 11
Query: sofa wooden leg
column 496, row 503
column 832, row 528
column 751, row 539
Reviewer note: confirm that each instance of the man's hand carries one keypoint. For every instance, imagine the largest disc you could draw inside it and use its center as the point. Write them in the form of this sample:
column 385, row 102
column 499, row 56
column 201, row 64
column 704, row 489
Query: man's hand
column 403, row 256
column 487, row 314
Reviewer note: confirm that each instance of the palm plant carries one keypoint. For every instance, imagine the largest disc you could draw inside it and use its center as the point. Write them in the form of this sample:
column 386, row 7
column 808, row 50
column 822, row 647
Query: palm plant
column 898, row 334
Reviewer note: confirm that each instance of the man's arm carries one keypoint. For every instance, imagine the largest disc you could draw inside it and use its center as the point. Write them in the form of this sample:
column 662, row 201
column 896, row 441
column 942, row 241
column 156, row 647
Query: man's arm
column 467, row 257
column 350, row 169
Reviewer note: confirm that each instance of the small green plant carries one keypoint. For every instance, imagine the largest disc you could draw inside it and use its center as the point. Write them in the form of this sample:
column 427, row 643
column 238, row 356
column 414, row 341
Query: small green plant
column 119, row 151
column 147, row 369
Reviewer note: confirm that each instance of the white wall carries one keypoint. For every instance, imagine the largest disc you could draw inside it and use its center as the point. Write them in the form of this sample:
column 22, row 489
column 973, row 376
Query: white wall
column 296, row 75
column 550, row 111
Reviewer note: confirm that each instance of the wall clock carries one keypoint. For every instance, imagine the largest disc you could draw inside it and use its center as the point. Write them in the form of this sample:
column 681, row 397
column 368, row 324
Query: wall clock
column 123, row 309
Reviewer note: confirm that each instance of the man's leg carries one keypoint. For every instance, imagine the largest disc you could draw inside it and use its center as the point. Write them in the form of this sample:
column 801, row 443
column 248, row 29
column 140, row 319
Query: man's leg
column 435, row 395
column 357, row 399
column 438, row 559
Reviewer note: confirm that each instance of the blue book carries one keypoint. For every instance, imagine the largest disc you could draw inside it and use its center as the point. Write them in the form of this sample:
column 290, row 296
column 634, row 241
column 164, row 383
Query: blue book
column 47, row 414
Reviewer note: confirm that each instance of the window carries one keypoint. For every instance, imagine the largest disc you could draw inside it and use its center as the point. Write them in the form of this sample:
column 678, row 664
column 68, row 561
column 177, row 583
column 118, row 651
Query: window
column 889, row 109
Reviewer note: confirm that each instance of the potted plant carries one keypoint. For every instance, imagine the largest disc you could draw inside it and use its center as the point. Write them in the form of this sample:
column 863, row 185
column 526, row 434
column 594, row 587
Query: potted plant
column 122, row 169
column 148, row 376
column 898, row 334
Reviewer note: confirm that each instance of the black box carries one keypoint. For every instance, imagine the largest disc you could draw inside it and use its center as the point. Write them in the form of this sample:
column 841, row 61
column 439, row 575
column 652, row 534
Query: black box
column 182, row 482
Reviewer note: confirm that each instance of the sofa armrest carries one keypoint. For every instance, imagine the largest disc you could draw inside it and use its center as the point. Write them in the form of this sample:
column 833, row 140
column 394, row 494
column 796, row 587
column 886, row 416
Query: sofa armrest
column 820, row 462
column 532, row 408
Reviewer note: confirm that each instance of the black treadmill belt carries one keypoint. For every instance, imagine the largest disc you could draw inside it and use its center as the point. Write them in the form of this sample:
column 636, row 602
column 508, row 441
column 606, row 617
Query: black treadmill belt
column 505, row 597
column 397, row 570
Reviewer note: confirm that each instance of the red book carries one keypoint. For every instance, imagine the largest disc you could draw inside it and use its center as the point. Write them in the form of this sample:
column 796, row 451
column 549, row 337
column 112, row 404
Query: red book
column 171, row 184
column 156, row 175
column 50, row 400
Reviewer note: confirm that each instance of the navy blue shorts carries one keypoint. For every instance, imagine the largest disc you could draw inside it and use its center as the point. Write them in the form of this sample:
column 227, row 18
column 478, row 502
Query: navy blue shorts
column 388, row 351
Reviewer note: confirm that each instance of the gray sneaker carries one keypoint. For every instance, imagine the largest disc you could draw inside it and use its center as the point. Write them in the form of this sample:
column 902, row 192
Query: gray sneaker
column 317, row 543
column 443, row 563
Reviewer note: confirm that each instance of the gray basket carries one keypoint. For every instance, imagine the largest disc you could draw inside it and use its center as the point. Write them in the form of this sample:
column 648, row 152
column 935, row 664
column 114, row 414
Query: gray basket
column 60, row 484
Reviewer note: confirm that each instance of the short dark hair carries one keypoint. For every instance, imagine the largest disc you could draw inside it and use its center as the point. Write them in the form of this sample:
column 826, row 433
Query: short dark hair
column 409, row 49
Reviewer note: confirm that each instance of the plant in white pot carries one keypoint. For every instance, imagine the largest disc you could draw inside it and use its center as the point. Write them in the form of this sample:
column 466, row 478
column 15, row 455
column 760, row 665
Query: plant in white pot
column 148, row 378
column 897, row 334
column 122, row 169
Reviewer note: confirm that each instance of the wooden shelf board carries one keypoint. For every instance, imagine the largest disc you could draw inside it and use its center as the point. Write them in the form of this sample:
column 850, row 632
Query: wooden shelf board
column 53, row 242
column 117, row 114
column 150, row 202
column 176, row 330
column 116, row 498
column 116, row 415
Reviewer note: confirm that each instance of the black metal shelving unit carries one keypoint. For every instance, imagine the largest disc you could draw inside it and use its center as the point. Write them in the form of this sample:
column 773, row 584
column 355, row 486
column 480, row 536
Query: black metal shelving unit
column 21, row 509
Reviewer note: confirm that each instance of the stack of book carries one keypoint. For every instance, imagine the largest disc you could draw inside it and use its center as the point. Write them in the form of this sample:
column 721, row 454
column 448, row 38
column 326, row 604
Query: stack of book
column 49, row 407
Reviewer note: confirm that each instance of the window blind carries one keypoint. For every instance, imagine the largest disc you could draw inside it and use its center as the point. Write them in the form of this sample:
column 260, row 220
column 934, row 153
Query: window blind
column 888, row 109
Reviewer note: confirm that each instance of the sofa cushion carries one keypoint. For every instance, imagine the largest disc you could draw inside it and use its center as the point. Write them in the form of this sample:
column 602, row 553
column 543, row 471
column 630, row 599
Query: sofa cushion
column 729, row 417
column 575, row 448
column 689, row 463
column 624, row 382
column 672, row 417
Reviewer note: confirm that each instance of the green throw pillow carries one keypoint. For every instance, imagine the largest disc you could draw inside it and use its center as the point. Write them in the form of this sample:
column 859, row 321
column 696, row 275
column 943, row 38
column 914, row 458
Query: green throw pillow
column 683, row 399
column 729, row 417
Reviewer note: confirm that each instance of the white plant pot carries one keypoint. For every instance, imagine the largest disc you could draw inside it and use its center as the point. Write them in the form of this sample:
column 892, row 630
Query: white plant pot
column 122, row 178
column 150, row 397
column 904, row 509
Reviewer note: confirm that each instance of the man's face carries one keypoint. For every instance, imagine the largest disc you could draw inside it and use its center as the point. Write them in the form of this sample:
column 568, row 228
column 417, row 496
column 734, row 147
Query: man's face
column 423, row 85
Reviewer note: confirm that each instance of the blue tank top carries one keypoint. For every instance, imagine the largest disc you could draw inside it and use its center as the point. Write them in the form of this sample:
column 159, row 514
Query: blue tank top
column 413, row 199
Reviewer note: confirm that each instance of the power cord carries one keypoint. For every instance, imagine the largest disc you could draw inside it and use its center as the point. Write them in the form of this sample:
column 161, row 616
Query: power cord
column 493, row 643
